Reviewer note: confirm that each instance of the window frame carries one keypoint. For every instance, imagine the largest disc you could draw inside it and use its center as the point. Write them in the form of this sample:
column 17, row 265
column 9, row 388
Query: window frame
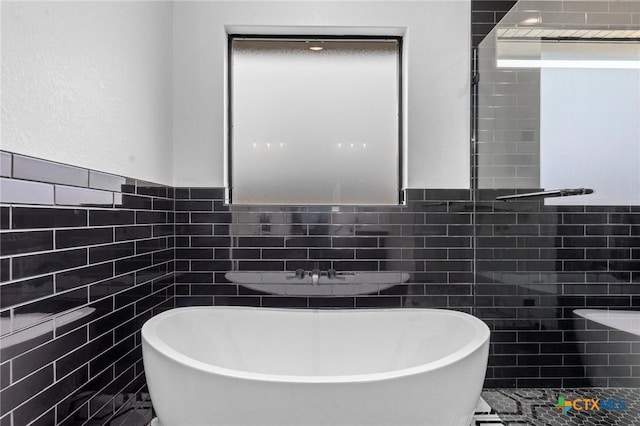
column 401, row 198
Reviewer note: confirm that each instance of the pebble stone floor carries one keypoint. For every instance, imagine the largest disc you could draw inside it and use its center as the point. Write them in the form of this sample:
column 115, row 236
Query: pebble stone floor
column 535, row 407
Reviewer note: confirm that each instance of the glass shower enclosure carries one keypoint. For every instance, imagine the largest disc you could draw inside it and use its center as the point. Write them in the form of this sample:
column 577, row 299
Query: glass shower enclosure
column 557, row 119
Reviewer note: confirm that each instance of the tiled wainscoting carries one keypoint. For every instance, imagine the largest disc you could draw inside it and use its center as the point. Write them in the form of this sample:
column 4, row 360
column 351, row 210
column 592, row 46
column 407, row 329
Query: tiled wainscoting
column 536, row 265
column 431, row 238
column 533, row 265
column 86, row 258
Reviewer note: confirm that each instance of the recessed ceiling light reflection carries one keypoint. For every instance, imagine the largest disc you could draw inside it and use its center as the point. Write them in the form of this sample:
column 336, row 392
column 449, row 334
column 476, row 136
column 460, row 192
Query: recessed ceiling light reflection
column 316, row 48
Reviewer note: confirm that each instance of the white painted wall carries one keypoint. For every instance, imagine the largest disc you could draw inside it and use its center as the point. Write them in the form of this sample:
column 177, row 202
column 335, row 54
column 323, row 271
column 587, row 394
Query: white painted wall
column 437, row 50
column 90, row 84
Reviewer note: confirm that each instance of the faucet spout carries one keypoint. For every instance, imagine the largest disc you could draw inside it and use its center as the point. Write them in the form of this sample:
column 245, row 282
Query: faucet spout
column 315, row 277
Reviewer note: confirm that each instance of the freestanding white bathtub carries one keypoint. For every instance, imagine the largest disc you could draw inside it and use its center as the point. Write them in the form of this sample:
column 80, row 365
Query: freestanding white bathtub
column 253, row 366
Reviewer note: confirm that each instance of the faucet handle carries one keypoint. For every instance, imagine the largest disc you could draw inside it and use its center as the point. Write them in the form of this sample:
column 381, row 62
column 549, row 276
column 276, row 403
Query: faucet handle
column 332, row 274
column 299, row 275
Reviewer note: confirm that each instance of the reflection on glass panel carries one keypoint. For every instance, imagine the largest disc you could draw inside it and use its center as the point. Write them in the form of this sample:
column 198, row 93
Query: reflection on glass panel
column 508, row 133
column 315, row 122
column 595, row 141
column 558, row 102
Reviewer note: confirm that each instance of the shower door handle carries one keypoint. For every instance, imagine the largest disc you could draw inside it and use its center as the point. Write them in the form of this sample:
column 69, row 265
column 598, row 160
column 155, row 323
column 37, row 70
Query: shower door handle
column 547, row 194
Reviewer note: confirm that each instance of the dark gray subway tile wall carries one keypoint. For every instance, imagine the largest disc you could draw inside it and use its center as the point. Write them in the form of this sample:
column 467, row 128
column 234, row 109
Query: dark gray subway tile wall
column 81, row 272
column 430, row 238
column 485, row 14
column 532, row 266
column 535, row 265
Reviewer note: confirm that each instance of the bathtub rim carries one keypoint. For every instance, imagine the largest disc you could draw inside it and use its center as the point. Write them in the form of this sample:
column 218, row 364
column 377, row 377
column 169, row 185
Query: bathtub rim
column 609, row 318
column 150, row 338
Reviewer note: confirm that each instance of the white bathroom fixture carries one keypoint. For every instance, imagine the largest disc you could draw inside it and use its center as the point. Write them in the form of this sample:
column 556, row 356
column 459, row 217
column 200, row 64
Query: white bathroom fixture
column 256, row 366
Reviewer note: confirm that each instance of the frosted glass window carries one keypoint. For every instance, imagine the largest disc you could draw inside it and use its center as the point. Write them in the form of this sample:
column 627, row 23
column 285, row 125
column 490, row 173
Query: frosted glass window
column 314, row 122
